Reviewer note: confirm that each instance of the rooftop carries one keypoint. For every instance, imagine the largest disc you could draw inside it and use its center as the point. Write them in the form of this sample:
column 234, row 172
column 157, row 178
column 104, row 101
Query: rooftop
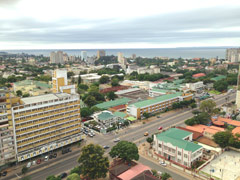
column 176, row 138
column 105, row 115
column 196, row 134
column 119, row 114
column 199, row 75
column 155, row 100
column 45, row 97
column 117, row 102
column 202, row 128
column 218, row 78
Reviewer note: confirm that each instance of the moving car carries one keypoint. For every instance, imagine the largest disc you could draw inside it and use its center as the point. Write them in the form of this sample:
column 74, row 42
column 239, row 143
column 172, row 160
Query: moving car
column 106, row 147
column 160, row 128
column 46, row 158
column 116, row 140
column 29, row 164
column 162, row 163
column 146, row 134
column 63, row 175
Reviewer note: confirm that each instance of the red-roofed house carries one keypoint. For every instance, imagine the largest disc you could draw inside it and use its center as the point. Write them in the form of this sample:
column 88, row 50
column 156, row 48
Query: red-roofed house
column 227, row 121
column 114, row 89
column 207, row 131
column 118, row 108
column 122, row 171
column 198, row 75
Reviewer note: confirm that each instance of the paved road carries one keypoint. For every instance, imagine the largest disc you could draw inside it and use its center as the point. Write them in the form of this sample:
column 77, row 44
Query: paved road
column 134, row 134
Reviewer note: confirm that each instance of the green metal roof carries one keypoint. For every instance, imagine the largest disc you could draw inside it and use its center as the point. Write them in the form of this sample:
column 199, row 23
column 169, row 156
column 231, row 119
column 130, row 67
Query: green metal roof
column 104, row 116
column 218, row 78
column 31, row 82
column 155, row 100
column 175, row 137
column 131, row 118
column 119, row 114
column 117, row 102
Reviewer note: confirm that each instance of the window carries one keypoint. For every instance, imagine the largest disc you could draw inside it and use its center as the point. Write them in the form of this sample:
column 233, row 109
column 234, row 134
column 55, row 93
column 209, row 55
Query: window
column 160, row 145
column 179, row 153
column 185, row 155
column 185, row 163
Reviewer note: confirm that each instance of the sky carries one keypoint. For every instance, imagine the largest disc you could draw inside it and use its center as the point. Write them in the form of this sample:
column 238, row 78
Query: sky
column 106, row 24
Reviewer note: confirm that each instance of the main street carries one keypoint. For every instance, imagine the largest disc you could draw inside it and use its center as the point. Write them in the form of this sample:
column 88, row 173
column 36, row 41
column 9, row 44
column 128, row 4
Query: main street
column 135, row 134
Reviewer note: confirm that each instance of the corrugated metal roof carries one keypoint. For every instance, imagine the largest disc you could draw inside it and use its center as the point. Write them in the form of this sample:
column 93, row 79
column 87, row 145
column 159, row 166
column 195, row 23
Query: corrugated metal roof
column 175, row 137
column 108, row 104
column 155, row 100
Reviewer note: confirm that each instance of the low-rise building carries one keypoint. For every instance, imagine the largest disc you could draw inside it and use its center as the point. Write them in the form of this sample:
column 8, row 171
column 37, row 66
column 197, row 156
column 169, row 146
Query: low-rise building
column 106, row 119
column 195, row 86
column 175, row 145
column 90, row 78
column 157, row 104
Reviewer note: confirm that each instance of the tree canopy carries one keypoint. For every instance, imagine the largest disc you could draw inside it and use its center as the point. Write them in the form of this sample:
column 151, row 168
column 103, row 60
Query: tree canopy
column 92, row 162
column 208, row 106
column 104, row 79
column 222, row 138
column 73, row 176
column 125, row 150
column 220, row 85
column 111, row 95
column 201, row 118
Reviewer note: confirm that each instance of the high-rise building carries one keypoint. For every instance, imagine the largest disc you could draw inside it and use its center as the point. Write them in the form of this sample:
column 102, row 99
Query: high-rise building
column 7, row 145
column 56, row 57
column 100, row 53
column 44, row 123
column 60, row 82
column 238, row 90
column 84, row 55
column 233, row 54
column 120, row 57
column 134, row 56
column 65, row 57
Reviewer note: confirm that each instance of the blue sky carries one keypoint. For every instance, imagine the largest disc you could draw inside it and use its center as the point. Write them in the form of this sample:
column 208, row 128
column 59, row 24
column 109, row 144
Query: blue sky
column 60, row 24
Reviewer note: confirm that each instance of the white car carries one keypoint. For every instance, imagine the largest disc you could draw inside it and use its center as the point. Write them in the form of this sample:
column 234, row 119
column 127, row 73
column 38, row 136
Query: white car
column 46, row 158
column 29, row 164
column 162, row 163
column 33, row 163
column 116, row 140
column 159, row 172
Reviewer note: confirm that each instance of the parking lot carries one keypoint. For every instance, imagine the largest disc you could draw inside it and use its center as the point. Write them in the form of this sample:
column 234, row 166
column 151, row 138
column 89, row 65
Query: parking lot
column 225, row 166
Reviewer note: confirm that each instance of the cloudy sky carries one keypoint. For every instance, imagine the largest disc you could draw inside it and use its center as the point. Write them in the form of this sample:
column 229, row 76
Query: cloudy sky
column 77, row 24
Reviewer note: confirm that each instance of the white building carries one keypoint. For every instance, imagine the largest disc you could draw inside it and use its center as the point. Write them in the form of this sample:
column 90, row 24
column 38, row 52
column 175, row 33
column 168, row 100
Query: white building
column 195, row 86
column 120, row 57
column 142, row 70
column 84, row 55
column 90, row 78
column 175, row 145
column 56, row 57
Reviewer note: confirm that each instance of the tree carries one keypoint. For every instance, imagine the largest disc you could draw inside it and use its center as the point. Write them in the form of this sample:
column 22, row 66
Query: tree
column 52, row 177
column 201, row 118
column 221, row 85
column 83, row 87
column 126, row 123
column 115, row 82
column 26, row 95
column 125, row 150
column 70, row 74
column 19, row 93
column 193, row 105
column 76, row 170
column 92, row 162
column 208, row 106
column 222, row 138
column 86, row 111
column 73, row 176
column 24, row 170
column 79, row 79
column 111, row 95
column 104, row 79
column 165, row 176
column 149, row 140
column 146, row 115
column 90, row 101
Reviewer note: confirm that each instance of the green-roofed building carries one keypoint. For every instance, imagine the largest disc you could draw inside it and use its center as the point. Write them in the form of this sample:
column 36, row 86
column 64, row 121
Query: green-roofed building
column 116, row 102
column 176, row 145
column 106, row 118
column 218, row 78
column 156, row 105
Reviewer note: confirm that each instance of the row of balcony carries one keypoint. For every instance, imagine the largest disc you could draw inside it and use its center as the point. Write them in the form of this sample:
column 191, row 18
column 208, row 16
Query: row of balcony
column 60, row 136
column 44, row 109
column 35, row 134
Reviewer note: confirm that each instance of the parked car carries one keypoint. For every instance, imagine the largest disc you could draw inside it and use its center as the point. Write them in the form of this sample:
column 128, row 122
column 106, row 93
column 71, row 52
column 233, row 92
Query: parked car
column 106, row 147
column 160, row 128
column 33, row 163
column 50, row 156
column 158, row 116
column 159, row 172
column 63, row 175
column 46, row 158
column 54, row 155
column 29, row 164
column 116, row 140
column 39, row 161
column 4, row 173
column 146, row 134
column 162, row 163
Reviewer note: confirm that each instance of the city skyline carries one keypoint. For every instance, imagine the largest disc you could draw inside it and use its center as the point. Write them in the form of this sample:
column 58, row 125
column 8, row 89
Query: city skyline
column 26, row 24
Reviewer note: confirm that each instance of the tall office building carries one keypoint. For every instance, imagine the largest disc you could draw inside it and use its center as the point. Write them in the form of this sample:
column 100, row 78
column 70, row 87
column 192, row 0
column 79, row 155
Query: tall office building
column 7, row 145
column 120, row 57
column 56, row 57
column 100, row 53
column 238, row 90
column 44, row 123
column 60, row 82
column 84, row 55
column 233, row 54
column 65, row 57
column 134, row 56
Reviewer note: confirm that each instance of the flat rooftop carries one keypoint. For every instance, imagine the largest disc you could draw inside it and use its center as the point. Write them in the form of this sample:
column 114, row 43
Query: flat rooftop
column 45, row 97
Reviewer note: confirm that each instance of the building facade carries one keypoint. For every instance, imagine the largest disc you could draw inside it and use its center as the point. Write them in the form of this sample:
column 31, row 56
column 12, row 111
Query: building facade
column 7, row 148
column 84, row 55
column 157, row 104
column 56, row 57
column 233, row 54
column 175, row 145
column 101, row 53
column 44, row 123
column 120, row 57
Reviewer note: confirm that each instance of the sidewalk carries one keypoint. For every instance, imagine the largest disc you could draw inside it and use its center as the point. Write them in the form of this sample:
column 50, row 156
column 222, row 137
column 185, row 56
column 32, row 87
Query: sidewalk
column 144, row 150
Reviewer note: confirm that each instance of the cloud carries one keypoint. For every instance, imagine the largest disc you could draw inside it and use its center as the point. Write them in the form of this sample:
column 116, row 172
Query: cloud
column 7, row 3
column 205, row 25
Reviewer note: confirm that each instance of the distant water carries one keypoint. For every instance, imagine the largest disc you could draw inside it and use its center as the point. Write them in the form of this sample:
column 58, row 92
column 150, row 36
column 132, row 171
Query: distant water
column 207, row 52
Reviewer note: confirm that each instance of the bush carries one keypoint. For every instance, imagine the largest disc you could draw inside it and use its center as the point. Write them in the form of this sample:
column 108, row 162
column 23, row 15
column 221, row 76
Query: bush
column 111, row 129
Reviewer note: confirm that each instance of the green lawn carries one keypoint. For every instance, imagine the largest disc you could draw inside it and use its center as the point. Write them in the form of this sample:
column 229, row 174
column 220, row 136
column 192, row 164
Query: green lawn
column 215, row 92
